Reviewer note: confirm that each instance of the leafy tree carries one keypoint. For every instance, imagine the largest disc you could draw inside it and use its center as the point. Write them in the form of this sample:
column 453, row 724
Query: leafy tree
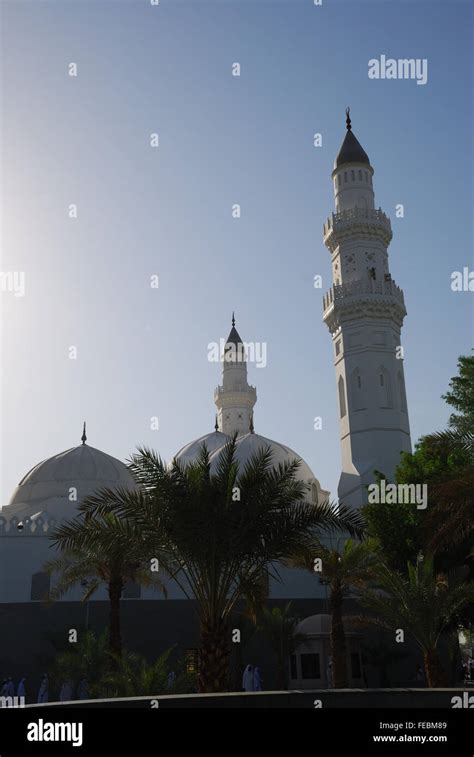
column 395, row 530
column 424, row 604
column 461, row 396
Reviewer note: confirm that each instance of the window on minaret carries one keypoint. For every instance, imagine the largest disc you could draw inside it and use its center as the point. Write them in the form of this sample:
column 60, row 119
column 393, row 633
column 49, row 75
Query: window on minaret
column 345, row 175
column 360, row 175
column 352, row 175
column 342, row 397
column 384, row 388
column 339, row 180
column 356, row 390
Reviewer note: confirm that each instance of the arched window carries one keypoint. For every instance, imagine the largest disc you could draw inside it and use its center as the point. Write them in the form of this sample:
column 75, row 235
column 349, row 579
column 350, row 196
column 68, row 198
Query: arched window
column 356, row 390
column 345, row 175
column 384, row 388
column 359, row 173
column 401, row 393
column 342, row 396
column 339, row 180
column 352, row 176
column 40, row 585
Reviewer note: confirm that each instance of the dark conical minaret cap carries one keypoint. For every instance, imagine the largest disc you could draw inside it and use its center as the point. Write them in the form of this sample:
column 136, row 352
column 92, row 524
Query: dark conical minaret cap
column 234, row 336
column 216, row 424
column 251, row 426
column 351, row 151
column 84, row 437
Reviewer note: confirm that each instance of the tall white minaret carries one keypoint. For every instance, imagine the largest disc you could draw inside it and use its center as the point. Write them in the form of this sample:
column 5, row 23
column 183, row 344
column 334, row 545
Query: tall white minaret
column 364, row 311
column 235, row 398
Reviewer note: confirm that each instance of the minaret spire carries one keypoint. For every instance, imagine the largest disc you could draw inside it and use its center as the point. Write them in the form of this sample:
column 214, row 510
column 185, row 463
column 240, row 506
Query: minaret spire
column 348, row 119
column 216, row 424
column 233, row 319
column 84, row 437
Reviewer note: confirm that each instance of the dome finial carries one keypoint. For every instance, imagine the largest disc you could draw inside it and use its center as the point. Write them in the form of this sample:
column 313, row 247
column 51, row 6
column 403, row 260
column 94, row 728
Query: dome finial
column 84, row 437
column 233, row 319
column 348, row 119
column 251, row 427
column 216, row 425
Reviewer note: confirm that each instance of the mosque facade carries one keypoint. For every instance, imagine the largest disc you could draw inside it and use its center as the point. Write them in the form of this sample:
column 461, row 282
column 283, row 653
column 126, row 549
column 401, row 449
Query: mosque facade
column 364, row 312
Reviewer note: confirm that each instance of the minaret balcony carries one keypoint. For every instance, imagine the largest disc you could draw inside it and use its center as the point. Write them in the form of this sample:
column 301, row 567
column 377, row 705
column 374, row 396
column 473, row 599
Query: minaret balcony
column 385, row 290
column 356, row 220
column 221, row 392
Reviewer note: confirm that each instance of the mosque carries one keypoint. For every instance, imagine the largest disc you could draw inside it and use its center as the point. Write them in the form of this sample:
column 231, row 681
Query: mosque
column 364, row 312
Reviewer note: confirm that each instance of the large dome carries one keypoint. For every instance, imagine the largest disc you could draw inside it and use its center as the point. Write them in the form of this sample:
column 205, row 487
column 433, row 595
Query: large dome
column 47, row 486
column 247, row 446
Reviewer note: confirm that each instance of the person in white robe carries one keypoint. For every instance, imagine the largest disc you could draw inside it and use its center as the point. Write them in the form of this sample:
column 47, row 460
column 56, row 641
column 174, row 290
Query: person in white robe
column 65, row 695
column 83, row 689
column 247, row 679
column 43, row 690
column 21, row 690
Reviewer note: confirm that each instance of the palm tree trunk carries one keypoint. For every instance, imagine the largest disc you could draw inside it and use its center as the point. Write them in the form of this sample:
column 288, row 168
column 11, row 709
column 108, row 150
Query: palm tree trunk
column 434, row 672
column 338, row 640
column 115, row 636
column 214, row 658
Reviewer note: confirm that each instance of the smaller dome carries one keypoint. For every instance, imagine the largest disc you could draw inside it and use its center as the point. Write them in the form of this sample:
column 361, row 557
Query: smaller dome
column 320, row 625
column 315, row 625
column 46, row 486
column 351, row 151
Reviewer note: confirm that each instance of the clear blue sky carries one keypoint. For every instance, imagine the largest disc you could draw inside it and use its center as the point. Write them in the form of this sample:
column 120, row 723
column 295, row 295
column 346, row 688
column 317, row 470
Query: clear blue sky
column 223, row 140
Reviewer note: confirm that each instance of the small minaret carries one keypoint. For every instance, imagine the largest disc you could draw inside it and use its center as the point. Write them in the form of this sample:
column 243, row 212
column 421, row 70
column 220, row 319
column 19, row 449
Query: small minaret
column 235, row 398
column 364, row 311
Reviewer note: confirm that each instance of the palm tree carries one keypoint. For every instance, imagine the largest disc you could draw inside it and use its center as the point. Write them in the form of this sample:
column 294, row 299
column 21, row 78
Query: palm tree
column 88, row 658
column 134, row 676
column 101, row 548
column 422, row 604
column 342, row 570
column 219, row 533
column 451, row 520
column 278, row 625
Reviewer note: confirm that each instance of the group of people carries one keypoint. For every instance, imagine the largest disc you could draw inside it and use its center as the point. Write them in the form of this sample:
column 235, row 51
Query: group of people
column 251, row 679
column 7, row 689
column 66, row 693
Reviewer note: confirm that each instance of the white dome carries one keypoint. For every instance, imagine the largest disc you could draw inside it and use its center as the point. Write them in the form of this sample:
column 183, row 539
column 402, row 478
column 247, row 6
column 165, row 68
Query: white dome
column 190, row 452
column 46, row 488
column 315, row 625
column 248, row 445
column 320, row 625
